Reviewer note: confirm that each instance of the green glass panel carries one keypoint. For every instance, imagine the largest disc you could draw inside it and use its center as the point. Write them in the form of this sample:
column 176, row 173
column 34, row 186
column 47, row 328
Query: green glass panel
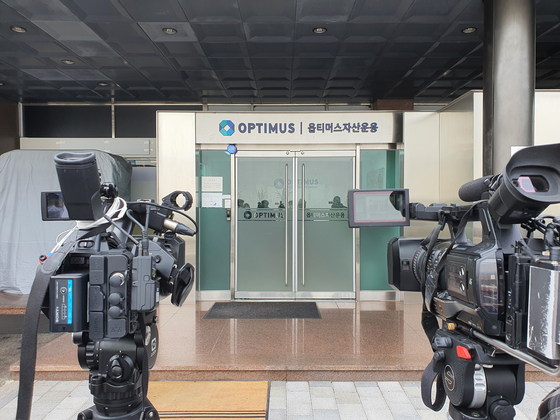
column 263, row 231
column 213, row 271
column 326, row 246
column 380, row 169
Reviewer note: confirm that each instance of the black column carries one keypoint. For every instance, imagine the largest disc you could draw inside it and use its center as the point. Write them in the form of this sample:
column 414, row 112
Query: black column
column 509, row 79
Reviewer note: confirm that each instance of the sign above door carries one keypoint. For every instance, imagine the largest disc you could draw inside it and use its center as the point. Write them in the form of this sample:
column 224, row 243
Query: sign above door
column 293, row 128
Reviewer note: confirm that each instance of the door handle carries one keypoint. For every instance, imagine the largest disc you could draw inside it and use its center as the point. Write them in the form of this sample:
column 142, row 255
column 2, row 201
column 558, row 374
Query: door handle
column 286, row 221
column 303, row 224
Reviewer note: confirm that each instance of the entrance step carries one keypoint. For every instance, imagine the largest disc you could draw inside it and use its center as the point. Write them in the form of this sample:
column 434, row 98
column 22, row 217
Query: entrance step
column 352, row 341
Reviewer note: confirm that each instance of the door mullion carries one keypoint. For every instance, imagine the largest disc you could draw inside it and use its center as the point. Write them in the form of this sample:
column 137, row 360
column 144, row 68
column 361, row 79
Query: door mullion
column 294, row 226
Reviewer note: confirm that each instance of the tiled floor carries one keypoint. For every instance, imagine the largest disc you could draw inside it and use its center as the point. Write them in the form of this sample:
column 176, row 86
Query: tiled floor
column 323, row 400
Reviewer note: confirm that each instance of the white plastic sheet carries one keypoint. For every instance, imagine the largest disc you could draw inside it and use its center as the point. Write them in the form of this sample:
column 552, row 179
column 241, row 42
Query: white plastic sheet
column 24, row 236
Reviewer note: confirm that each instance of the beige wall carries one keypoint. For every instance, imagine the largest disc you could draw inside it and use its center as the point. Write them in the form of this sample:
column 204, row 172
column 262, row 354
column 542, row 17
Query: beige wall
column 456, row 147
column 421, row 164
column 547, row 117
column 176, row 168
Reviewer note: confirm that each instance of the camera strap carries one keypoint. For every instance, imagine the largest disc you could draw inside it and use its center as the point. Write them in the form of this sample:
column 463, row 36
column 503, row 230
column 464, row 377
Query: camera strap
column 428, row 378
column 28, row 358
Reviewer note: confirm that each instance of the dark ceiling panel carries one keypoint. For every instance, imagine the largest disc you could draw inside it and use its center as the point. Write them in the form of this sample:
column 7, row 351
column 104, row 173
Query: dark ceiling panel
column 44, row 10
column 185, row 49
column 219, row 32
column 271, row 49
column 272, row 11
column 215, row 11
column 378, row 11
column 274, row 63
column 269, row 31
column 86, row 74
column 221, row 50
column 246, row 51
column 154, row 11
column 323, row 11
column 97, row 11
column 118, row 31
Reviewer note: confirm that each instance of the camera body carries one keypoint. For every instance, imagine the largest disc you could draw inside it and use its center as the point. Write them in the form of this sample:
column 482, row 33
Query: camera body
column 497, row 297
column 504, row 286
column 119, row 261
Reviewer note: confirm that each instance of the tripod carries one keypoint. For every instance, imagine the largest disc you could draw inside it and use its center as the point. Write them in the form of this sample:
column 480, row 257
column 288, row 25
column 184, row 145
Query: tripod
column 480, row 384
column 118, row 373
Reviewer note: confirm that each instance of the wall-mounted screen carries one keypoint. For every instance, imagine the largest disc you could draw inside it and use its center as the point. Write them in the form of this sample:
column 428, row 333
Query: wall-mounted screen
column 378, row 208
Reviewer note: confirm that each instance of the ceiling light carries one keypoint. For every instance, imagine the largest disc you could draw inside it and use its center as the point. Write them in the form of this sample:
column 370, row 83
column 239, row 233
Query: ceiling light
column 69, row 62
column 320, row 30
column 1, row 83
column 102, row 84
column 169, row 31
column 469, row 30
column 18, row 29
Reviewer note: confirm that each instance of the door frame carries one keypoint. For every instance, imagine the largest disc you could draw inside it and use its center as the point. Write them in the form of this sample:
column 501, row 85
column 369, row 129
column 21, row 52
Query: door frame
column 295, row 294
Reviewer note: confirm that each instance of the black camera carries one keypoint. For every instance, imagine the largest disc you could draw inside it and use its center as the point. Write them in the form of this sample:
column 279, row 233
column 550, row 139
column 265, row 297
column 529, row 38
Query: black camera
column 104, row 280
column 498, row 297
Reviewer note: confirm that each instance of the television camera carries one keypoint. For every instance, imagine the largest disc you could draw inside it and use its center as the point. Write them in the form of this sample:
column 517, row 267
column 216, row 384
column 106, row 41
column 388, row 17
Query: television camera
column 103, row 282
column 497, row 299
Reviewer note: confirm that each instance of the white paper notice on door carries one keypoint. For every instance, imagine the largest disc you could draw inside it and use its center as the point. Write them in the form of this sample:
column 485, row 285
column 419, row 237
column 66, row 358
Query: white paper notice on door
column 212, row 183
column 212, row 200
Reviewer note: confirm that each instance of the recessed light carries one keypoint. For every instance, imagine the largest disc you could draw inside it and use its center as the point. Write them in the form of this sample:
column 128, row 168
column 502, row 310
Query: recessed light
column 469, row 30
column 69, row 62
column 18, row 29
column 102, row 84
column 1, row 83
column 169, row 31
column 320, row 30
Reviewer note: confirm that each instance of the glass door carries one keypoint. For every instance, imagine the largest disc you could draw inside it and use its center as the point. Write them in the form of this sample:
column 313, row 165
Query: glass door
column 292, row 238
column 264, row 226
column 325, row 254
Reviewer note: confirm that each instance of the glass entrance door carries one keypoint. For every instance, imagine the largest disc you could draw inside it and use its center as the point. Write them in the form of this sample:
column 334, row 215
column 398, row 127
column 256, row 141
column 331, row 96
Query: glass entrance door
column 293, row 239
column 264, row 226
column 325, row 242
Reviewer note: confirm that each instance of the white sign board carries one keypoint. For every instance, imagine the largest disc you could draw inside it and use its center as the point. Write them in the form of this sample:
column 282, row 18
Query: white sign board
column 211, row 199
column 212, row 183
column 289, row 127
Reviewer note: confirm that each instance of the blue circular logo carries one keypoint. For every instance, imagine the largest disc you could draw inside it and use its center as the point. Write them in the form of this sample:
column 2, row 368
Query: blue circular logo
column 278, row 183
column 248, row 215
column 227, row 128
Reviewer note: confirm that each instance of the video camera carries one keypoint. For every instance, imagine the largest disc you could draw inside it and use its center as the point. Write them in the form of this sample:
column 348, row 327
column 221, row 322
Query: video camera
column 104, row 281
column 498, row 298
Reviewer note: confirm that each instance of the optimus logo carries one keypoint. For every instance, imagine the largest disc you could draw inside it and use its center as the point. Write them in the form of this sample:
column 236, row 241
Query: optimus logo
column 227, row 128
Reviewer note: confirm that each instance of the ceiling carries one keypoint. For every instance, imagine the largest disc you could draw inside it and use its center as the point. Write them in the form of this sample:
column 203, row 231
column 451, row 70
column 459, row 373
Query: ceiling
column 252, row 51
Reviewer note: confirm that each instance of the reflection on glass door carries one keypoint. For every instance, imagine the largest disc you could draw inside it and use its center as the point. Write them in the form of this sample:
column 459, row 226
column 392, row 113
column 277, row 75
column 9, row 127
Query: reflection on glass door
column 293, row 239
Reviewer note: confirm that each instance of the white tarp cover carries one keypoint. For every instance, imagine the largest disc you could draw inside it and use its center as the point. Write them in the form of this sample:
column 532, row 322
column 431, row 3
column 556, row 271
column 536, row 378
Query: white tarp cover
column 24, row 236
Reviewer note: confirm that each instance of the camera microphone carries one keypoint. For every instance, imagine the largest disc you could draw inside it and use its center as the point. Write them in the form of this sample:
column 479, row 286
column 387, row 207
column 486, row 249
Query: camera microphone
column 177, row 227
column 473, row 190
